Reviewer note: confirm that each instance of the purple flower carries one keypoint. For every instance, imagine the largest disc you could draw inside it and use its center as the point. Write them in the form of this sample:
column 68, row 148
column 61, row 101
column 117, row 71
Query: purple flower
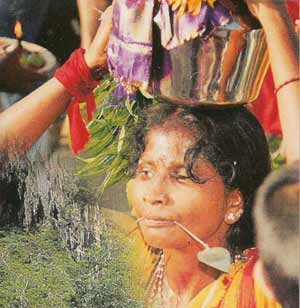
column 135, row 3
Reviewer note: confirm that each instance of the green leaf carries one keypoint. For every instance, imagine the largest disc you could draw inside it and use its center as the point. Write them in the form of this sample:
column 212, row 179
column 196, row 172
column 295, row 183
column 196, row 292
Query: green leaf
column 129, row 107
column 121, row 138
column 97, row 167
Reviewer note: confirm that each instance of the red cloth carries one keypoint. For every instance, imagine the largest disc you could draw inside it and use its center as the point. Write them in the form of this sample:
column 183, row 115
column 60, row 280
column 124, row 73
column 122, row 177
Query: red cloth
column 265, row 108
column 247, row 299
column 76, row 78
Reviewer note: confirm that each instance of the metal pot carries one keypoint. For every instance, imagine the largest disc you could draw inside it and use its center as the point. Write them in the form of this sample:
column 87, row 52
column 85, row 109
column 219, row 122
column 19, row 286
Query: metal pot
column 227, row 68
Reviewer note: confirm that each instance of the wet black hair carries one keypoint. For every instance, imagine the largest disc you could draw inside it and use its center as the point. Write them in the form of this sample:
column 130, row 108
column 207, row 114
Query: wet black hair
column 232, row 140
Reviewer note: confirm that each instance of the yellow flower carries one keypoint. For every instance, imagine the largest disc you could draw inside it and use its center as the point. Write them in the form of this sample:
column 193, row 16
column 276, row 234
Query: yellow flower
column 191, row 6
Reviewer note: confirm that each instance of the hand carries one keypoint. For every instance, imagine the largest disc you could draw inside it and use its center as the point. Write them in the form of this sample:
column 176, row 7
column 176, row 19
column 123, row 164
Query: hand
column 96, row 53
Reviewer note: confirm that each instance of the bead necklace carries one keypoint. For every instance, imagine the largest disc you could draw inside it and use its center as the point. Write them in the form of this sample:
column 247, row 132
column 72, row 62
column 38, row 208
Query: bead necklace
column 160, row 293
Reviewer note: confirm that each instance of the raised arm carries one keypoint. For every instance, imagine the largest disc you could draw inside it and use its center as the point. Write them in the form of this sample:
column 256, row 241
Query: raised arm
column 24, row 122
column 89, row 13
column 283, row 45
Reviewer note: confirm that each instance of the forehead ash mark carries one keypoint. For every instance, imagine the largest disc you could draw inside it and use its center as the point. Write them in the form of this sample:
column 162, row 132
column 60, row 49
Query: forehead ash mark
column 167, row 144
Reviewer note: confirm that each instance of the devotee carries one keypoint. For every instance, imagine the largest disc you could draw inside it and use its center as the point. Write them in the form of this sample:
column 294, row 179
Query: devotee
column 277, row 230
column 194, row 182
column 284, row 65
column 49, row 101
column 195, row 172
column 32, row 14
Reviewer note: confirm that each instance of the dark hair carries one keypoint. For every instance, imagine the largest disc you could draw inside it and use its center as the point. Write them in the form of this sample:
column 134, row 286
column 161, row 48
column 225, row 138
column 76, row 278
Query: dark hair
column 232, row 140
column 277, row 224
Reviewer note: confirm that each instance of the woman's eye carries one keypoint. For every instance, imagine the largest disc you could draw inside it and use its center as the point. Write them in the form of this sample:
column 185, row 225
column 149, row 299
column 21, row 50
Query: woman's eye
column 181, row 177
column 145, row 173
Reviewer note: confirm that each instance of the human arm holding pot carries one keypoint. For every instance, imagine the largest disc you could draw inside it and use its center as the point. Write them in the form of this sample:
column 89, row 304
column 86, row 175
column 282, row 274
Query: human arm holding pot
column 24, row 122
column 283, row 45
column 90, row 15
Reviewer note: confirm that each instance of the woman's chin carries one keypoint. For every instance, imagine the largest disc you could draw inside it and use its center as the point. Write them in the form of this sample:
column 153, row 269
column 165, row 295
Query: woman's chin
column 157, row 239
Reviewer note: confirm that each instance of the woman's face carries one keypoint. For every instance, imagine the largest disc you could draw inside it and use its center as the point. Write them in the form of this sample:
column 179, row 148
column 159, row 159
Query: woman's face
column 161, row 192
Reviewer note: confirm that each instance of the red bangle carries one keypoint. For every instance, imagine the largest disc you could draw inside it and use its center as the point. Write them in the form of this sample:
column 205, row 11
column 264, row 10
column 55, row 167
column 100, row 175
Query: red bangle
column 285, row 83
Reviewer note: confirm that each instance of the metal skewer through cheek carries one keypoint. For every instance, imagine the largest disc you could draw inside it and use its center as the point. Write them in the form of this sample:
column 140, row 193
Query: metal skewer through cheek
column 140, row 219
column 216, row 257
column 136, row 225
column 193, row 236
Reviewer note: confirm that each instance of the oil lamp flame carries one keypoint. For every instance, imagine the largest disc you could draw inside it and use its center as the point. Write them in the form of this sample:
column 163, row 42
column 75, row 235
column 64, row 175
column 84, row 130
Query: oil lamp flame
column 18, row 30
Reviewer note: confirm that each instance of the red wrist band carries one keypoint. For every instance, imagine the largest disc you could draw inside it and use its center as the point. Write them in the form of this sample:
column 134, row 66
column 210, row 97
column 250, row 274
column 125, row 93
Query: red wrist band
column 76, row 77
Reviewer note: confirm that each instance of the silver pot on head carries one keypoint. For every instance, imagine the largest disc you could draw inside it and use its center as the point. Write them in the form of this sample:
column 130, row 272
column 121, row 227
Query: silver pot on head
column 227, row 68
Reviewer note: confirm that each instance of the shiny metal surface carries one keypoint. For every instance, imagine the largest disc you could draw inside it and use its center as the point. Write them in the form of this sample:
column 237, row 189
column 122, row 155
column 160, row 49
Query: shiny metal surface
column 226, row 69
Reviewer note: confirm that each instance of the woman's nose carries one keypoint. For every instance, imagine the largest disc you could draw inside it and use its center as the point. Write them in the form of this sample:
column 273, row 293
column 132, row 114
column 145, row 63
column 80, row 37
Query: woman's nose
column 157, row 196
column 157, row 192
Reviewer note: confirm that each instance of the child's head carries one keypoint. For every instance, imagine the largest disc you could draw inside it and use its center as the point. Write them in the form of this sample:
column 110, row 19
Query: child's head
column 277, row 227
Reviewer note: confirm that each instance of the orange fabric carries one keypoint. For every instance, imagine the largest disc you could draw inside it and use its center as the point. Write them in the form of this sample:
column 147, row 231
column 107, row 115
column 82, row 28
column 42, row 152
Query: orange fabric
column 247, row 300
column 237, row 289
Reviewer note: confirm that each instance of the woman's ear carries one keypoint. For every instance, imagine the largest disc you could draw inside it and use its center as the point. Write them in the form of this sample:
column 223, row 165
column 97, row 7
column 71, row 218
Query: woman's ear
column 234, row 207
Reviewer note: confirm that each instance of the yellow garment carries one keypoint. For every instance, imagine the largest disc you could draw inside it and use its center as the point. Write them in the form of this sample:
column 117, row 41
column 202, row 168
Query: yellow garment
column 230, row 296
column 264, row 301
column 224, row 292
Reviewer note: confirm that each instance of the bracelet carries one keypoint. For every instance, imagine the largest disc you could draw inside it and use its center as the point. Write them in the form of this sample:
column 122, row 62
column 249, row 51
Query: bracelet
column 285, row 83
column 80, row 82
column 98, row 72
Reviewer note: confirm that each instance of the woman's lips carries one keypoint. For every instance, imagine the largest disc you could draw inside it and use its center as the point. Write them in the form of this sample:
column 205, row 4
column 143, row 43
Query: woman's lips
column 157, row 223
